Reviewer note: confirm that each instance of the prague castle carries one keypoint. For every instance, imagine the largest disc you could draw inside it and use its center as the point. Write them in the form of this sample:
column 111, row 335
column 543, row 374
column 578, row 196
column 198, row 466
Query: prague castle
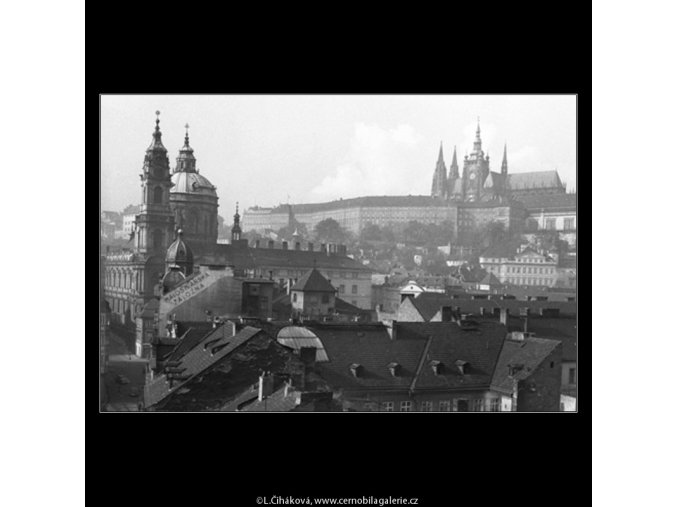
column 464, row 200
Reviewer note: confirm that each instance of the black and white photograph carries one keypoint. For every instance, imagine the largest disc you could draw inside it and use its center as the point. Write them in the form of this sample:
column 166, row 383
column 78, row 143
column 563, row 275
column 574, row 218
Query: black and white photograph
column 338, row 253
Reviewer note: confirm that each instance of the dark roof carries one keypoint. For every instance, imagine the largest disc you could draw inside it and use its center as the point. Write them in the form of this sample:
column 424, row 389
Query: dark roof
column 369, row 346
column 342, row 306
column 561, row 329
column 514, row 306
column 528, row 353
column 195, row 361
column 313, row 281
column 190, row 339
column 244, row 257
column 490, row 279
column 549, row 201
column 150, row 308
column 534, row 179
column 415, row 346
column 449, row 344
column 429, row 303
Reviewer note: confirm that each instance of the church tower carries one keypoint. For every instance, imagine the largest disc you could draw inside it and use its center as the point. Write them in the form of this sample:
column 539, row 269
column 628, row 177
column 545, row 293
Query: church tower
column 236, row 231
column 155, row 222
column 475, row 169
column 439, row 177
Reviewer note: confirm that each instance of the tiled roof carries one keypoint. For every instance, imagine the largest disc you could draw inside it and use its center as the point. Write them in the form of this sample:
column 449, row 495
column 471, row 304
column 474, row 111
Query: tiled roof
column 499, row 251
column 196, row 361
column 534, row 179
column 368, row 202
column 296, row 337
column 528, row 353
column 313, row 281
column 429, row 303
column 190, row 339
column 243, row 257
column 344, row 307
column 561, row 329
column 449, row 344
column 514, row 306
column 371, row 347
column 549, row 202
column 416, row 344
column 490, row 279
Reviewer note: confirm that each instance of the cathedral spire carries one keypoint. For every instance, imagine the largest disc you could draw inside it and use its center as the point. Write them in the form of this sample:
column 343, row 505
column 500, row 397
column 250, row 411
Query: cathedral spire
column 477, row 146
column 453, row 168
column 504, row 164
column 186, row 161
column 439, row 176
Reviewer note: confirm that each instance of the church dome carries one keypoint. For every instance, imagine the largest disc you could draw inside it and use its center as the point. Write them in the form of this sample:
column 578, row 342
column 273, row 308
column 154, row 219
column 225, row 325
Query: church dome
column 178, row 252
column 191, row 183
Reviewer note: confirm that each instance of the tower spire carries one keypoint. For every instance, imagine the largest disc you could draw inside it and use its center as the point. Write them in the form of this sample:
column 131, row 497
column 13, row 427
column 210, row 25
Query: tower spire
column 504, row 164
column 441, row 156
column 236, row 231
column 453, row 168
column 157, row 135
column 439, row 176
column 477, row 146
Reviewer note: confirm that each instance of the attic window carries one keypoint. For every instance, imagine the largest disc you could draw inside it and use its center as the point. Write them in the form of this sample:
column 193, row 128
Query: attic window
column 356, row 369
column 438, row 367
column 210, row 343
column 462, row 366
column 513, row 369
column 394, row 369
column 219, row 347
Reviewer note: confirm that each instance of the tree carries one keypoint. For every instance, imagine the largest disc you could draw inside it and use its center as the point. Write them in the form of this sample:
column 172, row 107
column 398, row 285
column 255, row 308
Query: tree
column 330, row 231
column 371, row 232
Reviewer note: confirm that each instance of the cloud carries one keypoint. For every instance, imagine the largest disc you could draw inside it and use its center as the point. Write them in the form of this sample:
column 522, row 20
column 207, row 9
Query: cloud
column 380, row 161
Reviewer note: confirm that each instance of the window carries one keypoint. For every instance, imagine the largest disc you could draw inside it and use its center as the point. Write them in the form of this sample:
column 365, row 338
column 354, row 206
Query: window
column 355, row 274
column 478, row 405
column 353, row 302
column 157, row 195
column 495, row 405
column 354, row 289
column 293, row 297
column 445, row 406
column 568, row 224
column 572, row 375
column 426, row 406
column 550, row 224
column 388, row 406
column 405, row 406
column 325, row 298
column 342, row 289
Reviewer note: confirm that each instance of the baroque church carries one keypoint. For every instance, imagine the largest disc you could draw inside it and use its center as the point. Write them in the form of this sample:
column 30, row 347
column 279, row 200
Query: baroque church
column 178, row 207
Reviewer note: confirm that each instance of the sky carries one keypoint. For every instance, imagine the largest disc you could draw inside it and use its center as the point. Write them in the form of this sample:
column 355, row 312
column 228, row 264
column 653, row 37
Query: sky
column 270, row 149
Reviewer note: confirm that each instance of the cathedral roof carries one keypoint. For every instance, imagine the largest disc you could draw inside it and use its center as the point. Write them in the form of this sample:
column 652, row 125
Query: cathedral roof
column 534, row 179
column 192, row 183
column 549, row 201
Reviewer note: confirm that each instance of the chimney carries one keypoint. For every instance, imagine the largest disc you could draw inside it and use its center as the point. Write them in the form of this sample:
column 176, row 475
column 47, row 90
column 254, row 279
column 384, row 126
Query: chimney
column 526, row 323
column 392, row 330
column 355, row 369
column 265, row 385
column 285, row 245
column 271, row 243
column 107, row 248
column 288, row 389
column 257, row 243
column 297, row 245
column 310, row 247
column 504, row 316
column 394, row 369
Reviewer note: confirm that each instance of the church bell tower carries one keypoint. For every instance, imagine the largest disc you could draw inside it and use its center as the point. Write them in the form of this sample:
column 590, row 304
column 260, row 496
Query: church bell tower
column 155, row 222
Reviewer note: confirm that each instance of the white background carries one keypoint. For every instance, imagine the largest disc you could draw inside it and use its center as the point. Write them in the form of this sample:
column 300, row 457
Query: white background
column 634, row 206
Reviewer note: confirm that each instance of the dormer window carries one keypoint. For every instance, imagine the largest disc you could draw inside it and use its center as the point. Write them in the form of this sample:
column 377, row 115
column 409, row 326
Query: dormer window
column 394, row 369
column 437, row 366
column 356, row 369
column 462, row 366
